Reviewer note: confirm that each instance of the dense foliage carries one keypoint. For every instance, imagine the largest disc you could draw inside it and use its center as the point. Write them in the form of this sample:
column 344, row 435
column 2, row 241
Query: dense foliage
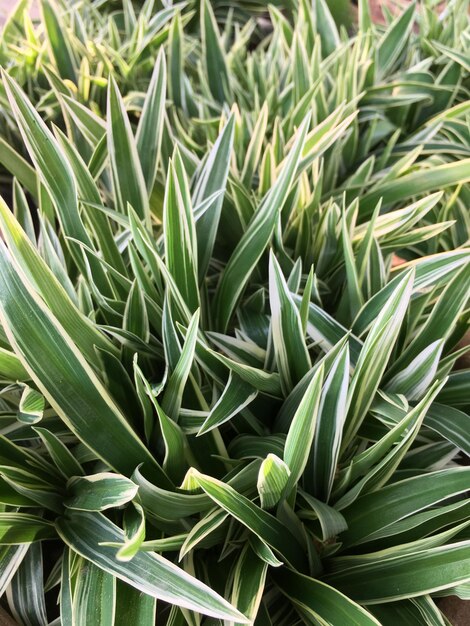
column 233, row 292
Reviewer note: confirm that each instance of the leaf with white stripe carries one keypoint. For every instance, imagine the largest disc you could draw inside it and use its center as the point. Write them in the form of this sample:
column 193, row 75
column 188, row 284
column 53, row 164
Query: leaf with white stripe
column 257, row 235
column 267, row 527
column 180, row 234
column 128, row 179
column 322, row 464
column 416, row 378
column 31, row 408
column 210, row 181
column 236, row 396
column 292, row 357
column 64, row 377
column 149, row 130
column 99, row 492
column 318, row 603
column 369, row 369
column 173, row 395
column 272, row 480
column 302, row 430
column 86, row 533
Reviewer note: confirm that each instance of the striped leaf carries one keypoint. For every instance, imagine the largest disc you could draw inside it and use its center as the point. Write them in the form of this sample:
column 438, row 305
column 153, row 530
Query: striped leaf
column 257, row 236
column 65, row 379
column 293, row 360
column 86, row 534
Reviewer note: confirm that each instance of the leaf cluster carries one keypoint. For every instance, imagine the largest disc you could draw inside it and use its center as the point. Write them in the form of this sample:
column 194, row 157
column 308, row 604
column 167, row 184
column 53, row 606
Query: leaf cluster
column 234, row 276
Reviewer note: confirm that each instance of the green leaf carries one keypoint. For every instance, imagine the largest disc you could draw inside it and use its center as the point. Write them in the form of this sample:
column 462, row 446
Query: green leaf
column 23, row 528
column 322, row 463
column 25, row 256
column 418, row 182
column 236, row 396
column 90, row 124
column 293, row 360
column 31, row 408
column 22, row 211
column 212, row 180
column 11, row 367
column 386, row 453
column 173, row 395
column 440, row 322
column 305, row 302
column 290, row 405
column 214, row 56
column 455, row 55
column 261, row 523
column 452, row 424
column 10, row 560
column 302, row 430
column 317, row 602
column 174, row 463
column 174, row 505
column 55, row 174
column 147, row 248
column 399, row 500
column 89, row 193
column 13, row 18
column 134, row 527
column 18, row 167
column 94, row 596
column 369, row 370
column 327, row 332
column 391, row 225
column 456, row 389
column 326, row 28
column 257, row 235
column 180, row 235
column 176, row 85
column 206, row 525
column 86, row 533
column 26, row 597
column 436, row 268
column 430, row 271
column 365, row 19
column 65, row 597
column 394, row 40
column 135, row 318
column 99, row 492
column 58, row 41
column 249, row 576
column 414, row 380
column 254, row 147
column 128, row 179
column 272, row 480
column 63, row 376
column 64, row 460
column 352, row 294
column 406, row 576
column 331, row 521
column 33, row 489
column 267, row 382
column 133, row 606
column 149, row 130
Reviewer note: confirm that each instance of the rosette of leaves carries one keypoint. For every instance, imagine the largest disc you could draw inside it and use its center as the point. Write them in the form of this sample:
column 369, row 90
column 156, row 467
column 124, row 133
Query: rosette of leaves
column 406, row 83
column 221, row 401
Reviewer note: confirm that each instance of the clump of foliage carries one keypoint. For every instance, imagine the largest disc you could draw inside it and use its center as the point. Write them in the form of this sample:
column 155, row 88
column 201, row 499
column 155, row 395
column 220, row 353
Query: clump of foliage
column 222, row 400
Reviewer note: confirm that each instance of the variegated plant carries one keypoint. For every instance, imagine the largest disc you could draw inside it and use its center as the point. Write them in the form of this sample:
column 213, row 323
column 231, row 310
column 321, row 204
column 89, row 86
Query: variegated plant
column 222, row 398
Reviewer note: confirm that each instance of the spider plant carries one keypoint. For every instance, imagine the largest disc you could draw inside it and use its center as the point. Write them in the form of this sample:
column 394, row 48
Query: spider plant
column 222, row 400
